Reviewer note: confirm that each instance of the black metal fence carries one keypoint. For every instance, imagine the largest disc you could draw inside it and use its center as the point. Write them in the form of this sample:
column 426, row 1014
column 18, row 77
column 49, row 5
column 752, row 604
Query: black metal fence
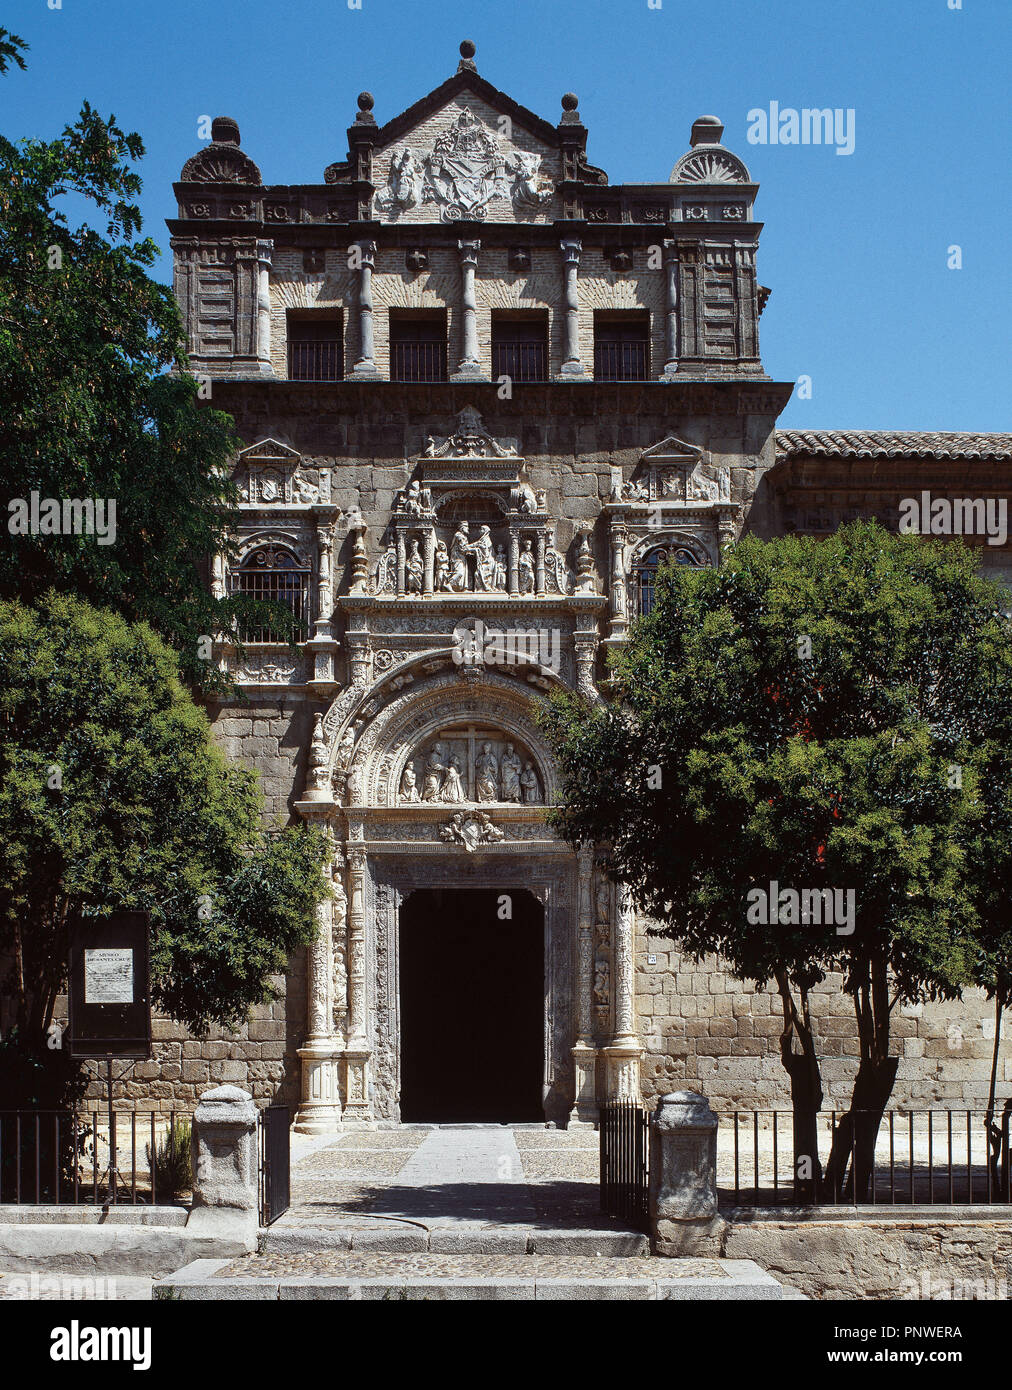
column 930, row 1157
column 275, row 1163
column 625, row 1161
column 72, row 1157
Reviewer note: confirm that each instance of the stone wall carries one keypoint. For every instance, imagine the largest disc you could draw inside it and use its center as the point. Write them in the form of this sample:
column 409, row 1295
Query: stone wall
column 938, row 1254
column 705, row 1031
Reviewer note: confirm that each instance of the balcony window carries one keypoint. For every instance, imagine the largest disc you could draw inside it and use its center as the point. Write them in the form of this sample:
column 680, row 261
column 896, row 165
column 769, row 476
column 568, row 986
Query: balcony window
column 272, row 572
column 520, row 347
column 621, row 347
column 418, row 348
column 315, row 348
column 646, row 571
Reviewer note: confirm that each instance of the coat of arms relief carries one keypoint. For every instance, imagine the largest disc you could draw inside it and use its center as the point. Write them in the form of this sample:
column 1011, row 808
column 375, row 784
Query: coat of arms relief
column 467, row 167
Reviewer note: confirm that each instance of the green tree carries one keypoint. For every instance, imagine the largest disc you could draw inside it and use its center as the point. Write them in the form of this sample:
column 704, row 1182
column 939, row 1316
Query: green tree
column 97, row 400
column 114, row 795
column 810, row 714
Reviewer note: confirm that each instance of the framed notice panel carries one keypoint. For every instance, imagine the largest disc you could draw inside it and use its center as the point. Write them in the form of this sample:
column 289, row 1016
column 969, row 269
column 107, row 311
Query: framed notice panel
column 110, row 986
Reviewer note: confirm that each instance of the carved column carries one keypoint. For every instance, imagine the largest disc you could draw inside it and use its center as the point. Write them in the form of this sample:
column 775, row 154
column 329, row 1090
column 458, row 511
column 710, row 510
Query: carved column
column 357, row 1107
column 469, row 367
column 624, row 1051
column 514, row 563
column 429, row 544
column 365, row 367
column 586, row 655
column 671, row 326
column 584, row 1112
column 402, row 559
column 320, row 1107
column 617, row 604
column 571, row 365
column 265, row 250
column 539, row 564
column 322, row 647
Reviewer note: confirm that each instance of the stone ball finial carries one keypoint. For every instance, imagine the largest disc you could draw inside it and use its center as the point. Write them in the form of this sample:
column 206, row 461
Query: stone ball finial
column 570, row 101
column 366, row 101
column 225, row 131
column 468, row 49
column 706, row 130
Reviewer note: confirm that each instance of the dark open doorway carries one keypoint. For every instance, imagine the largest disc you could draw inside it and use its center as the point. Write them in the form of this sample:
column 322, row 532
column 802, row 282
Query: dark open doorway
column 472, row 995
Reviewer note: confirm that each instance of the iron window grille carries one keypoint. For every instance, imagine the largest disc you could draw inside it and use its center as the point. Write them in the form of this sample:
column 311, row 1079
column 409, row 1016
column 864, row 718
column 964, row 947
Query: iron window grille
column 621, row 350
column 520, row 350
column 315, row 350
column 417, row 350
column 273, row 573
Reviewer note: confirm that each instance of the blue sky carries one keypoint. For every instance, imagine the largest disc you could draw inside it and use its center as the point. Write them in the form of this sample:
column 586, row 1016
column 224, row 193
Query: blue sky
column 855, row 247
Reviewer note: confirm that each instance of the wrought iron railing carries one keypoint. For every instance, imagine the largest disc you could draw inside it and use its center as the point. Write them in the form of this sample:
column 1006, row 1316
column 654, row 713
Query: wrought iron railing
column 625, row 1161
column 316, row 359
column 929, row 1157
column 418, row 361
column 57, row 1157
column 520, row 361
column 275, row 1162
column 620, row 361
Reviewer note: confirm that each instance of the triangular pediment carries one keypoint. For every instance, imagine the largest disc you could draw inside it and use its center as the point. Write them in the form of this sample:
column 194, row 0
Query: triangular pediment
column 271, row 450
column 475, row 157
column 672, row 451
column 449, row 93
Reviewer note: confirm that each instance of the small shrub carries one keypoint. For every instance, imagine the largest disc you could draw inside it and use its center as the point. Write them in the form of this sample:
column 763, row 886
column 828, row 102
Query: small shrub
column 170, row 1165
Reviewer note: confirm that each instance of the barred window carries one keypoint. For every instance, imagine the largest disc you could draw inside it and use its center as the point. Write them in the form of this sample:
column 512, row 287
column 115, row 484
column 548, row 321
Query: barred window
column 621, row 345
column 273, row 573
column 646, row 571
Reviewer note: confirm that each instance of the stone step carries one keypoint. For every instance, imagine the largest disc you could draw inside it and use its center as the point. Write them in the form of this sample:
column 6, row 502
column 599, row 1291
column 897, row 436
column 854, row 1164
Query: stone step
column 459, row 1238
column 346, row 1275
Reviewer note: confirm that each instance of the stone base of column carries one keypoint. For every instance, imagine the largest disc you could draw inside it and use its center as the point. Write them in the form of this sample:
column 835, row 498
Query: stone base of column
column 469, row 371
column 623, row 1062
column 364, row 371
column 320, row 1108
column 572, row 371
column 670, row 372
column 357, row 1105
column 584, row 1114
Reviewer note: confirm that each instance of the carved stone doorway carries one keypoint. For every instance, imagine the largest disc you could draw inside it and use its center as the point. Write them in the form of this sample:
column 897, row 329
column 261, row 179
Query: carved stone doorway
column 472, row 1006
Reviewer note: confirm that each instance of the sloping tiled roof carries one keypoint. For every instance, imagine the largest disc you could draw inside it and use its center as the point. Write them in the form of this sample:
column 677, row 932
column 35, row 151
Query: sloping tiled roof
column 893, row 443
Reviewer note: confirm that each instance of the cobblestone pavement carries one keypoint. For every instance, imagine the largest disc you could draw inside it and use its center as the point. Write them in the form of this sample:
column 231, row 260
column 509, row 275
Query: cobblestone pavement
column 491, row 1174
column 341, row 1264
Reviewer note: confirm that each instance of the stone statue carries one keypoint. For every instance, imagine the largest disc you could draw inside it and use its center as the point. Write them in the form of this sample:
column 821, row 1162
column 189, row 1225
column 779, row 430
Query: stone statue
column 414, row 570
column 453, row 787
column 485, row 562
column 525, row 569
column 500, row 567
column 528, row 499
column 441, row 569
column 602, row 984
column 409, row 788
column 414, row 499
column 459, row 548
column 305, row 491
column 434, row 770
column 486, row 769
column 724, row 483
column 510, row 769
column 404, row 185
column 529, row 782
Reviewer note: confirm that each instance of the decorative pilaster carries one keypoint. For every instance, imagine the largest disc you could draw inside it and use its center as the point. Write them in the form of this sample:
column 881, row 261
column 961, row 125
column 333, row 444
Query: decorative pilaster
column 265, row 250
column 572, row 368
column 671, row 324
column 320, row 1107
column 584, row 1112
column 365, row 367
column 624, row 1051
column 617, row 602
column 539, row 564
column 357, row 1106
column 469, row 367
column 322, row 647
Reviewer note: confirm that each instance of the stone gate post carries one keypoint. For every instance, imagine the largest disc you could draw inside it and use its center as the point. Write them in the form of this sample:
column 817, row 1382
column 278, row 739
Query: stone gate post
column 683, row 1176
column 225, row 1159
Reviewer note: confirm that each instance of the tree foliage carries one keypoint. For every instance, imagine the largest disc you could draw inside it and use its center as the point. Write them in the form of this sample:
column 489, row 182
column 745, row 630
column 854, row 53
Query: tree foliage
column 97, row 399
column 114, row 795
column 815, row 715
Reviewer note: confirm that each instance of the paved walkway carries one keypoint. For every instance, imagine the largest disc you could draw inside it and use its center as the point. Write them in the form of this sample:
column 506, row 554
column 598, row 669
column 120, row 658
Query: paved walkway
column 489, row 1175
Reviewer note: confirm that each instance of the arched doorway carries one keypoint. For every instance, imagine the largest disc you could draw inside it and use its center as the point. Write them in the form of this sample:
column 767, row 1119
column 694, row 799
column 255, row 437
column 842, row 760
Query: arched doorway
column 472, row 1006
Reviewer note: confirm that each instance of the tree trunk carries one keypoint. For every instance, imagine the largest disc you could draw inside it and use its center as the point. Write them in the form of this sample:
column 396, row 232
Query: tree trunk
column 806, row 1088
column 997, row 1135
column 852, row 1156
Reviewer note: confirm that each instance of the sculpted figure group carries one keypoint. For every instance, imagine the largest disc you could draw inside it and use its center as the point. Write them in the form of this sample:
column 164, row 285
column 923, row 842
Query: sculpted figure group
column 505, row 779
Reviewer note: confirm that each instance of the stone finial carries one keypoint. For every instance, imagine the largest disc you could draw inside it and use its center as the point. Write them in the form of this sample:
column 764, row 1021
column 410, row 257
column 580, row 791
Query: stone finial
column 467, row 52
column 225, row 131
column 570, row 112
column 706, row 130
column 366, row 102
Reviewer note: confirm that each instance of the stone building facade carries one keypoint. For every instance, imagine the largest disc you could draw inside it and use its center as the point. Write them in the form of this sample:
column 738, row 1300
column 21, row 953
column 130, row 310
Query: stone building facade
column 485, row 392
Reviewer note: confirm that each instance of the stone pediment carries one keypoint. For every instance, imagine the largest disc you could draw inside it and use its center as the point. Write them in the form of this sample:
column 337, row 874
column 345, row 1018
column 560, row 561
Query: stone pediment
column 470, row 161
column 271, row 474
column 672, row 473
